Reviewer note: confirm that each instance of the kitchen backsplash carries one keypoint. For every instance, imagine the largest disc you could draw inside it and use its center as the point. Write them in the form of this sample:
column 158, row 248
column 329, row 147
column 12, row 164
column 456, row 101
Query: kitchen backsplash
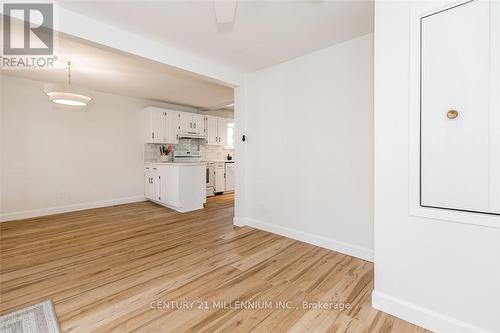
column 209, row 153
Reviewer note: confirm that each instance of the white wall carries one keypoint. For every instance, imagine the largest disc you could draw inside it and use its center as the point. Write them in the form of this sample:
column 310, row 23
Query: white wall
column 442, row 275
column 56, row 159
column 309, row 150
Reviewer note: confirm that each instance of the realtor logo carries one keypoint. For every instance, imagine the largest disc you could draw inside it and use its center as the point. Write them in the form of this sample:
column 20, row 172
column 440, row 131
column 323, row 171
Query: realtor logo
column 38, row 24
column 28, row 30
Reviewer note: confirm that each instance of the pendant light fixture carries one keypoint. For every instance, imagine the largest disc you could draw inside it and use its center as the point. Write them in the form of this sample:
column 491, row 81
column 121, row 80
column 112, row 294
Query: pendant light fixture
column 68, row 94
column 225, row 11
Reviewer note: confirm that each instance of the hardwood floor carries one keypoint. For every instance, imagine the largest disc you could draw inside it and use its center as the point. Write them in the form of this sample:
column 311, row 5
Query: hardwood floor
column 117, row 269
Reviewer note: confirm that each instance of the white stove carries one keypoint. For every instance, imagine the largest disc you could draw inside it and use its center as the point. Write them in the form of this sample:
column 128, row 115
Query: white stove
column 186, row 156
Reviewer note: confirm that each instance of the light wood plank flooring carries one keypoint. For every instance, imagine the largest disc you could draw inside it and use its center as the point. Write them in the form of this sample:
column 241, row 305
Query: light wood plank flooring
column 117, row 269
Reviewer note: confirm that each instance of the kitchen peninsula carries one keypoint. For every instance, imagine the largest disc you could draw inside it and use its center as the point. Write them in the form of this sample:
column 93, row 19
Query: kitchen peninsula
column 176, row 185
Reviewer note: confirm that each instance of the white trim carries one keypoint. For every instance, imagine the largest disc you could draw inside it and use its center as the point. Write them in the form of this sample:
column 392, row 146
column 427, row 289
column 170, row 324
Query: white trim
column 68, row 208
column 421, row 9
column 420, row 316
column 327, row 243
column 238, row 221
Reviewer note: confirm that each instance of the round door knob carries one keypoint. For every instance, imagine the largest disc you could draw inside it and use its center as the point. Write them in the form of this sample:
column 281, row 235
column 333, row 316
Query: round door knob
column 452, row 114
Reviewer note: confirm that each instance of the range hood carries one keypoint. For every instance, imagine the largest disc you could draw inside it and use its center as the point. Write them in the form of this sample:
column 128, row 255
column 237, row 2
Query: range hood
column 192, row 135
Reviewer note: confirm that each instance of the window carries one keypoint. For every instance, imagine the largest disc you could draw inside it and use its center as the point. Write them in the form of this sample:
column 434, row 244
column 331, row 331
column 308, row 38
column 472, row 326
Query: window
column 230, row 135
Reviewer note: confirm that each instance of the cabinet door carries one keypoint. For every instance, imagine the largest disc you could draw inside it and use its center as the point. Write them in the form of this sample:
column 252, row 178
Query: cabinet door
column 211, row 131
column 198, row 123
column 156, row 186
column 185, row 122
column 455, row 76
column 156, row 130
column 148, row 186
column 229, row 177
column 172, row 127
column 222, row 129
column 164, row 127
column 220, row 182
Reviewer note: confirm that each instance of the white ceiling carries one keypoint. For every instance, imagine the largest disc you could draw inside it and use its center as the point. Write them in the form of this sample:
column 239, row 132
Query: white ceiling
column 263, row 33
column 108, row 71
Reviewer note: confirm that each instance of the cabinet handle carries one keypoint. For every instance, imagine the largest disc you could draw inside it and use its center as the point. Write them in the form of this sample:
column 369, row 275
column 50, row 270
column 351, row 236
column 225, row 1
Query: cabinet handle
column 152, row 135
column 452, row 114
column 190, row 125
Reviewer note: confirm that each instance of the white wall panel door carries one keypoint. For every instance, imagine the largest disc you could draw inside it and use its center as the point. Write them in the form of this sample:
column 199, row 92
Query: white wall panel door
column 455, row 74
column 495, row 107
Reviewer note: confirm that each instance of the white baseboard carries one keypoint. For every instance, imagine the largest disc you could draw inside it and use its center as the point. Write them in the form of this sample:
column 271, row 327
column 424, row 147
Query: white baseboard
column 327, row 243
column 420, row 316
column 68, row 208
column 238, row 221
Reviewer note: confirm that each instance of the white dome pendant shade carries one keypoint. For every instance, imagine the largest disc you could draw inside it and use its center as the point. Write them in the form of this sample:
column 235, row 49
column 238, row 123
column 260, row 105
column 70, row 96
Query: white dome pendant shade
column 68, row 94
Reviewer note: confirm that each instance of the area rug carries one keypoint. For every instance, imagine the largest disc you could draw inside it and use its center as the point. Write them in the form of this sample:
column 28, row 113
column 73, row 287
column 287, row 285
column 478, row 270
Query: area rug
column 38, row 318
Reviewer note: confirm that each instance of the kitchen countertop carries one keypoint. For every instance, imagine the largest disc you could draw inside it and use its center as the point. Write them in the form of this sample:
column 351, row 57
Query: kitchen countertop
column 178, row 163
column 219, row 161
column 192, row 163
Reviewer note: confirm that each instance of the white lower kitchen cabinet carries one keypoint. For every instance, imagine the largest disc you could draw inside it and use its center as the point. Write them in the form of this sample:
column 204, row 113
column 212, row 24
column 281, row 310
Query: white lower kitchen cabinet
column 179, row 186
column 151, row 183
column 220, row 177
column 229, row 177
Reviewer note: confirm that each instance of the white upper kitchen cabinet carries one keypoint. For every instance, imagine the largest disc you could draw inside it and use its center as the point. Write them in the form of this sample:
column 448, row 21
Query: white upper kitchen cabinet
column 191, row 123
column 199, row 123
column 162, row 125
column 216, row 130
column 185, row 122
column 459, row 109
column 171, row 127
column 211, row 130
column 222, row 127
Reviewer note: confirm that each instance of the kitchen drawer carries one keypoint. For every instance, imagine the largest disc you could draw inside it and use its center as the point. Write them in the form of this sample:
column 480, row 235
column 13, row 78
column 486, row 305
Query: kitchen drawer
column 220, row 165
column 151, row 168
